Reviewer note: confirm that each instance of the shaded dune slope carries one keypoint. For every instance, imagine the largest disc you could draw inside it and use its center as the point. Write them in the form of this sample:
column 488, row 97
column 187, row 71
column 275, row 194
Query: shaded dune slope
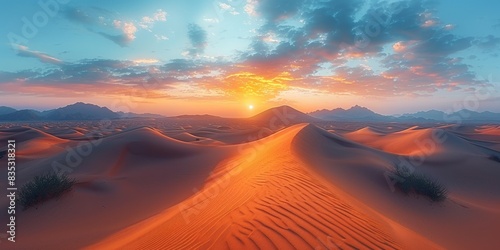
column 264, row 198
column 125, row 178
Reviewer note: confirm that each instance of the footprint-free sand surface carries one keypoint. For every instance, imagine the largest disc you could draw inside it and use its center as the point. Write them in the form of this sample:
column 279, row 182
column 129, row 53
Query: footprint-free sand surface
column 232, row 184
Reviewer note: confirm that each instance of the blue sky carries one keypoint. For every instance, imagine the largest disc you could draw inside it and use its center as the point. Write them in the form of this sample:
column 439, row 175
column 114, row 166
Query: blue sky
column 218, row 57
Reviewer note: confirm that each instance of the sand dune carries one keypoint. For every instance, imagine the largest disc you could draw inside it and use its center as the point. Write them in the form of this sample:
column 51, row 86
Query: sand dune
column 367, row 131
column 233, row 136
column 187, row 137
column 249, row 187
column 141, row 165
column 471, row 185
column 489, row 130
column 428, row 141
column 268, row 202
column 35, row 143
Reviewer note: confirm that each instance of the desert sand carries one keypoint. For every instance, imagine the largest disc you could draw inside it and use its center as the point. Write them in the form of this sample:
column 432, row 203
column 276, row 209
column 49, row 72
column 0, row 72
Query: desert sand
column 248, row 184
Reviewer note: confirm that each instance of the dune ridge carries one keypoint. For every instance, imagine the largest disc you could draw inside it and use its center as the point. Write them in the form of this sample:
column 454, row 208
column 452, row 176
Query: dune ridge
column 299, row 187
column 273, row 202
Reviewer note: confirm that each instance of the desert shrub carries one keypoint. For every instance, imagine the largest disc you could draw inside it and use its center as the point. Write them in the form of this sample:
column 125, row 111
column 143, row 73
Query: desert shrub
column 420, row 184
column 42, row 188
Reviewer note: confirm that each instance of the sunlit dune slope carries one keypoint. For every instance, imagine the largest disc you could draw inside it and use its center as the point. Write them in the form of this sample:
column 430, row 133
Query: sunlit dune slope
column 33, row 143
column 299, row 187
column 264, row 198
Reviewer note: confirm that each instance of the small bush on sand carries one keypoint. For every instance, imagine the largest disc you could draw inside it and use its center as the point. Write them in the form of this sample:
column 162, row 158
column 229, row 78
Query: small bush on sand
column 42, row 188
column 420, row 184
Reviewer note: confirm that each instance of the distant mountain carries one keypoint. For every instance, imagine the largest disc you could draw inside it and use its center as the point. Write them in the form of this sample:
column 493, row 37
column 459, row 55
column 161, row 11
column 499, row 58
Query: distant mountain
column 80, row 111
column 196, row 117
column 356, row 113
column 283, row 115
column 464, row 115
column 6, row 110
column 134, row 115
column 22, row 115
column 431, row 114
column 73, row 112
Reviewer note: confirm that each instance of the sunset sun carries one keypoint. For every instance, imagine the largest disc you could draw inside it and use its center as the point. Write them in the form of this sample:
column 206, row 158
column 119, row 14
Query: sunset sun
column 250, row 107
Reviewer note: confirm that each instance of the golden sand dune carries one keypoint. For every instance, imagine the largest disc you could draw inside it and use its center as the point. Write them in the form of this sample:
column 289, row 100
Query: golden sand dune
column 35, row 143
column 357, row 169
column 270, row 201
column 299, row 188
column 429, row 141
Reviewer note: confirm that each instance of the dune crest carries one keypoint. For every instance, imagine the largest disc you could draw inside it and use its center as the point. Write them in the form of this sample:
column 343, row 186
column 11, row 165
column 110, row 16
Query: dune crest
column 269, row 202
column 154, row 185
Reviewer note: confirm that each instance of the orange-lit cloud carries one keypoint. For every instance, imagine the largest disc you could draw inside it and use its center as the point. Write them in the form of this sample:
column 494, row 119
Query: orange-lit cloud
column 146, row 61
column 253, row 86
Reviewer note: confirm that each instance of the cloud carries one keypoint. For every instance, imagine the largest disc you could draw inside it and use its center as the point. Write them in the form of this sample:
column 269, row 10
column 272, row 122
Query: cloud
column 227, row 7
column 138, row 77
column 399, row 47
column 449, row 27
column 128, row 30
column 147, row 22
column 422, row 59
column 113, row 28
column 251, row 6
column 198, row 38
column 79, row 16
column 161, row 37
column 404, row 47
column 160, row 15
column 211, row 20
column 115, row 78
column 254, row 86
column 43, row 57
column 146, row 61
column 274, row 10
column 488, row 43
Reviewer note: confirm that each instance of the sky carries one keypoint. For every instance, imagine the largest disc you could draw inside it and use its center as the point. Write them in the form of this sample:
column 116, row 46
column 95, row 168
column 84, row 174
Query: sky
column 221, row 57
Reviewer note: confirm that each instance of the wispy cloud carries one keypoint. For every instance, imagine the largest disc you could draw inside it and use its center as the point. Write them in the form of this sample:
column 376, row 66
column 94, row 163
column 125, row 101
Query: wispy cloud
column 147, row 22
column 116, row 29
column 127, row 29
column 488, row 43
column 146, row 61
column 24, row 51
column 227, row 7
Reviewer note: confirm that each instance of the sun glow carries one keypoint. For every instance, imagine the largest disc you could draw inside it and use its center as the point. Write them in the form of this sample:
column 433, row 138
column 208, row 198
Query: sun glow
column 247, row 85
column 250, row 107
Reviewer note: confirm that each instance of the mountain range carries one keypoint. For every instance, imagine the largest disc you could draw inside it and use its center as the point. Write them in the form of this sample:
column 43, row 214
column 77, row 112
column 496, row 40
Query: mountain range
column 358, row 113
column 77, row 111
column 84, row 111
